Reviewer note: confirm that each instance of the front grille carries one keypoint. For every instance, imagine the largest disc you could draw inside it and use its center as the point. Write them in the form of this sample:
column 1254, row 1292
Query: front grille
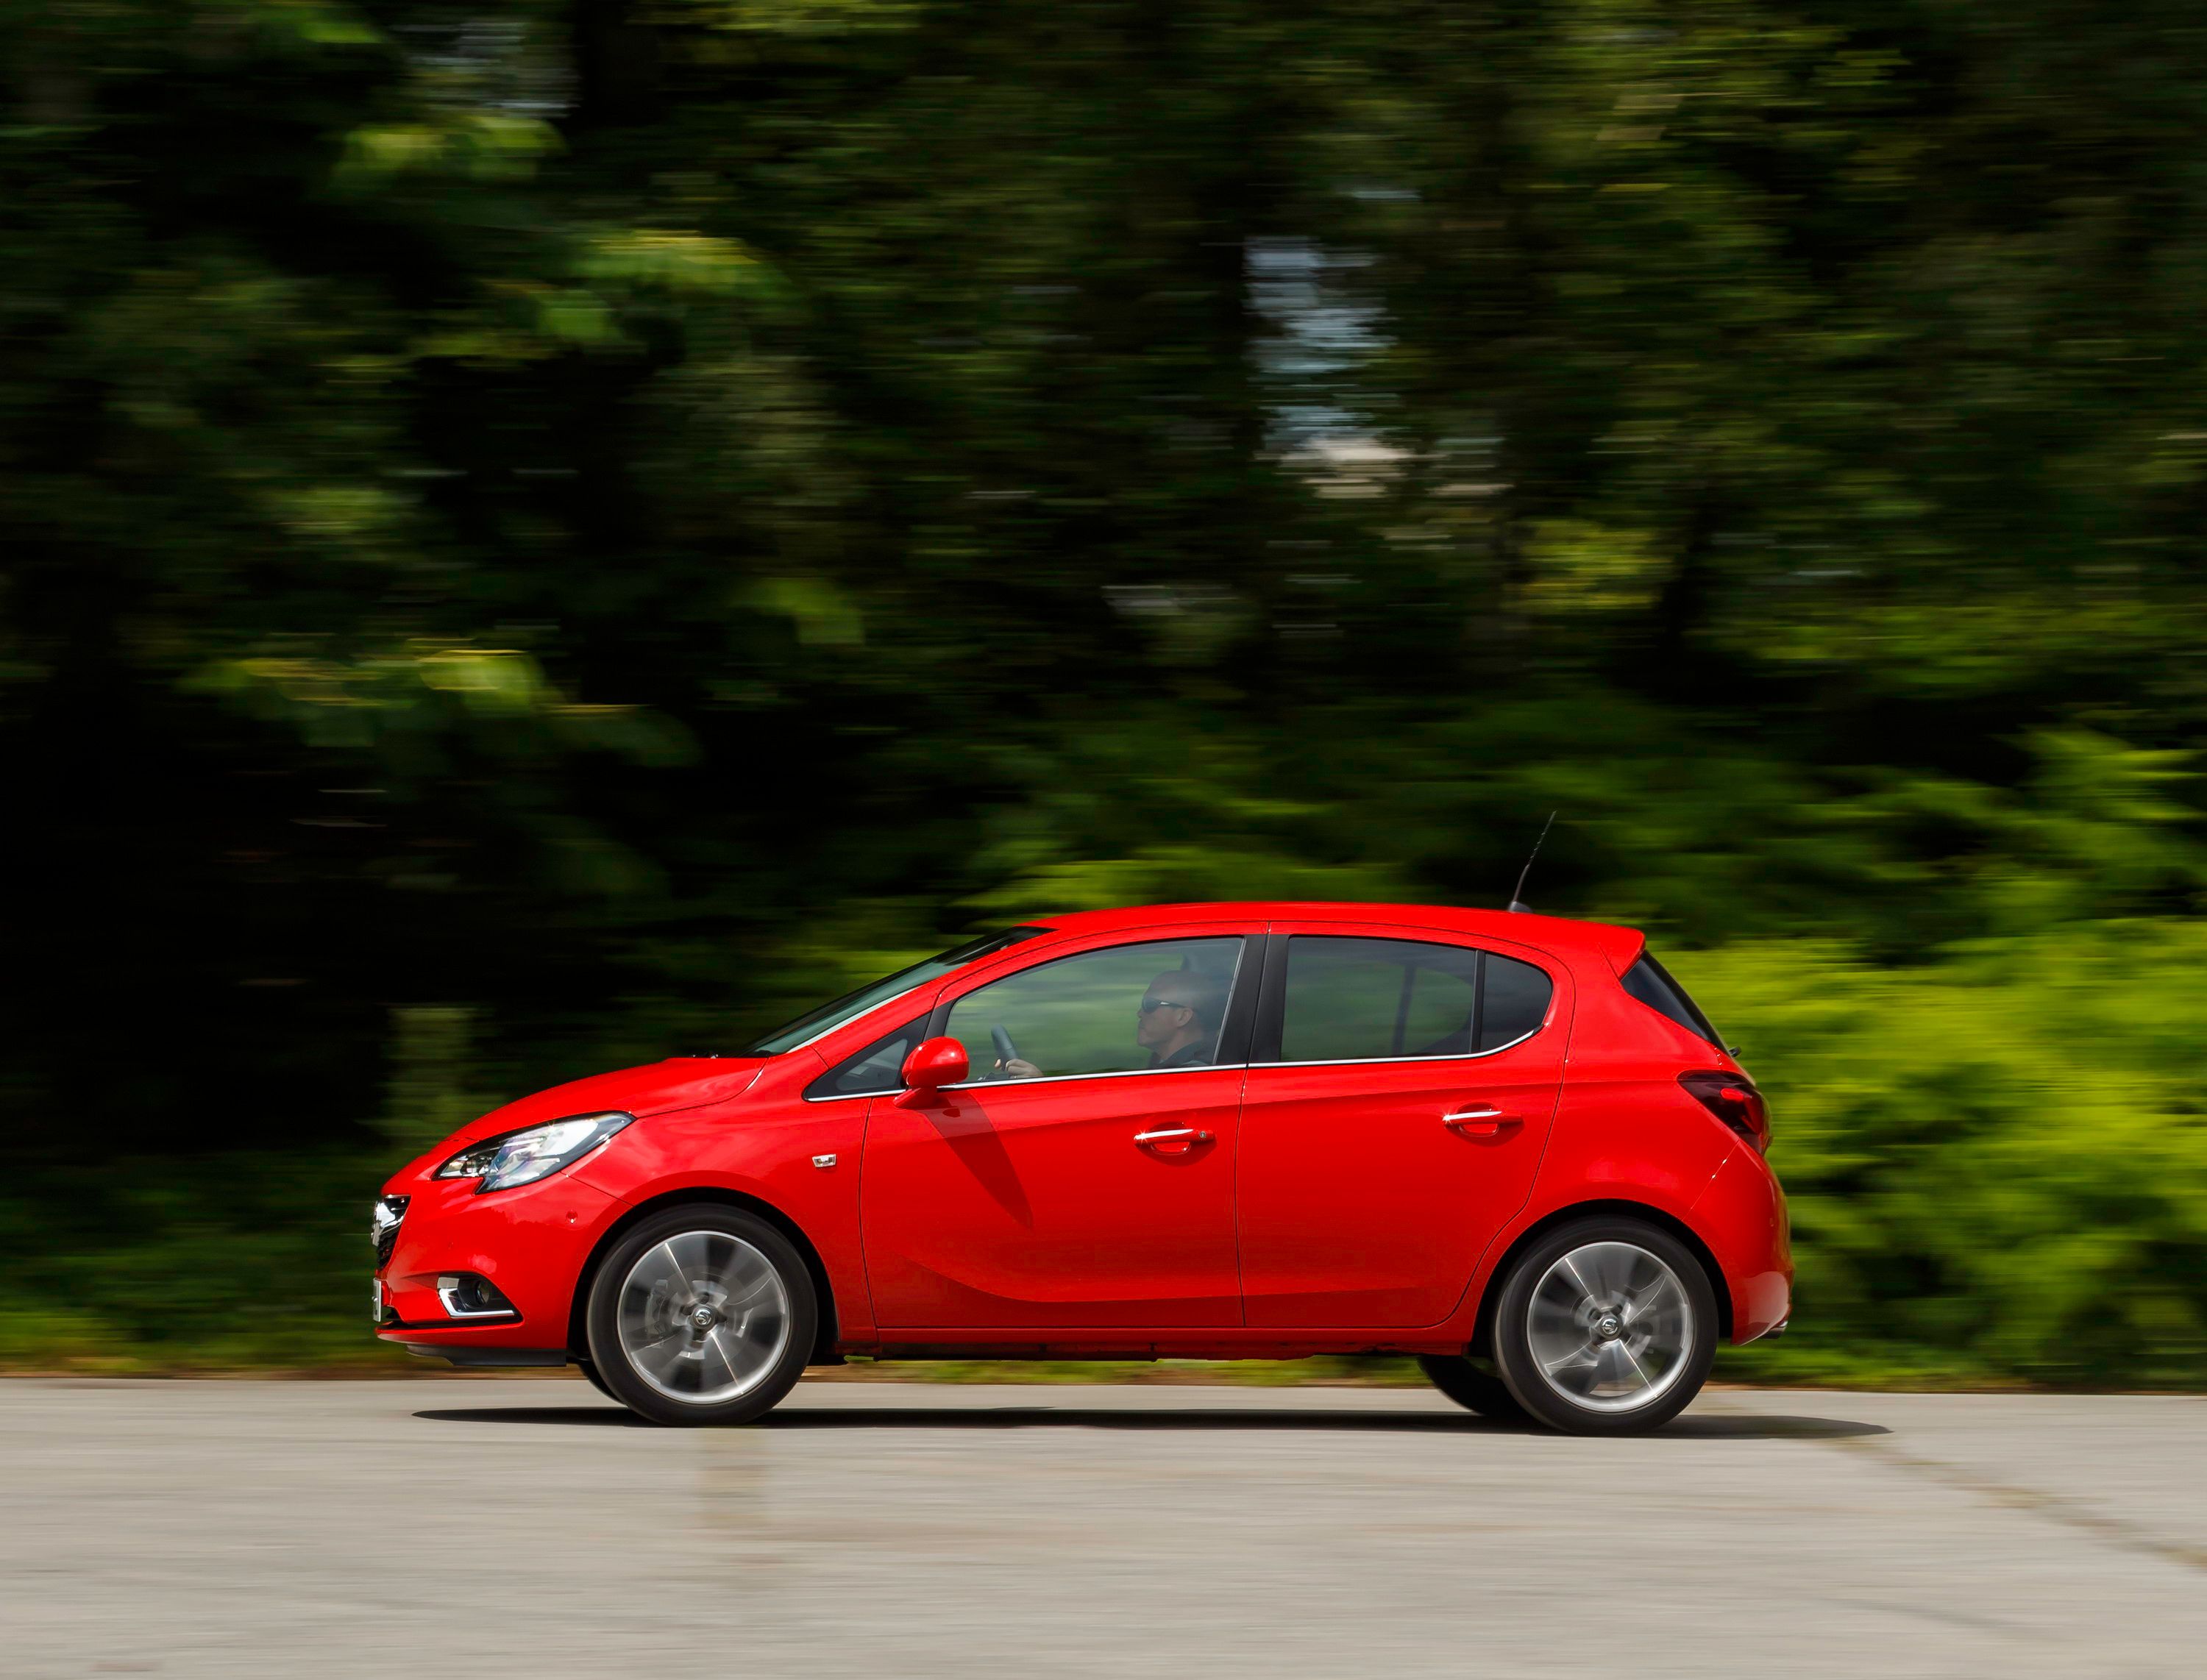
column 383, row 1226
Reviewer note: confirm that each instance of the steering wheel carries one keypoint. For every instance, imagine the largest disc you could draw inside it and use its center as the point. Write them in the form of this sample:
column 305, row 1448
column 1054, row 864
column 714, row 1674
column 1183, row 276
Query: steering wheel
column 1006, row 1050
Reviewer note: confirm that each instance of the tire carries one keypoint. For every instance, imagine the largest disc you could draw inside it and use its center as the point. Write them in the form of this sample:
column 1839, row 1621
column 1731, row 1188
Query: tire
column 702, row 1314
column 590, row 1371
column 1566, row 1339
column 1472, row 1387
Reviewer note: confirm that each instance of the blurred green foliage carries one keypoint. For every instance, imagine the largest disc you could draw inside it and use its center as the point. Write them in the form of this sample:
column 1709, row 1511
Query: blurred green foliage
column 1996, row 1163
column 539, row 535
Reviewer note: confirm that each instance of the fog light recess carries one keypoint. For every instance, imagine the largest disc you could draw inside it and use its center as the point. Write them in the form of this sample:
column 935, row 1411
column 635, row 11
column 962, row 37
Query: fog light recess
column 465, row 1295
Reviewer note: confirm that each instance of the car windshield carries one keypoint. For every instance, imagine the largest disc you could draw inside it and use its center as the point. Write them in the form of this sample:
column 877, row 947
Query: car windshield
column 850, row 1006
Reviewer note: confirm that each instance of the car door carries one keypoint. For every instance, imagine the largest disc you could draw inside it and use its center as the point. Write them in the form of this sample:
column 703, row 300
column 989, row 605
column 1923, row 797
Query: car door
column 1399, row 1096
column 1097, row 1190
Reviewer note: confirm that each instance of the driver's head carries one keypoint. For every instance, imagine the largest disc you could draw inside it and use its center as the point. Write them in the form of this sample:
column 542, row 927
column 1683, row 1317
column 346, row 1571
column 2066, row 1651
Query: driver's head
column 1178, row 1009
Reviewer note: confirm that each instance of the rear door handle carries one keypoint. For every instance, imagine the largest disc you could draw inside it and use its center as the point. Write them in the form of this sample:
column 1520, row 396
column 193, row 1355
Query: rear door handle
column 1480, row 1122
column 1172, row 1139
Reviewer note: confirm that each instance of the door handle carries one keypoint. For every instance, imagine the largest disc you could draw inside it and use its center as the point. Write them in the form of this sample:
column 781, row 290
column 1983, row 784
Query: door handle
column 1480, row 1122
column 1162, row 1140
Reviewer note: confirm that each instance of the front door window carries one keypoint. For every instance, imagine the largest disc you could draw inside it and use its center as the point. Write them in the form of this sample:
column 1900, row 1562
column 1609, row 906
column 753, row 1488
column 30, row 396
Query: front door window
column 1129, row 1008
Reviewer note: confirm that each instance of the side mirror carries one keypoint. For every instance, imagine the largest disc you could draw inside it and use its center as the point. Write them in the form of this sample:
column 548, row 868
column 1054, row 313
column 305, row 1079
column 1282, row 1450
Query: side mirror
column 936, row 1063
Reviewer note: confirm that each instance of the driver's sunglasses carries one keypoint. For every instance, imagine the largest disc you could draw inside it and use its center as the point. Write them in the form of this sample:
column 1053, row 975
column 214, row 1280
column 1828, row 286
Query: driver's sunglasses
column 1150, row 1003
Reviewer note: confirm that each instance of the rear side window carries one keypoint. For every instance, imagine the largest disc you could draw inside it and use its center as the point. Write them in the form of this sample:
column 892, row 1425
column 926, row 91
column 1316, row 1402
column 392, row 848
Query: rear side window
column 1514, row 1002
column 1377, row 1000
column 876, row 1068
column 1651, row 982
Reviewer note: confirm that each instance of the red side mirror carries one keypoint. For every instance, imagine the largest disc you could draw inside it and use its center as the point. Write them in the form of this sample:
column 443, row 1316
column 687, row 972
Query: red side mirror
column 936, row 1063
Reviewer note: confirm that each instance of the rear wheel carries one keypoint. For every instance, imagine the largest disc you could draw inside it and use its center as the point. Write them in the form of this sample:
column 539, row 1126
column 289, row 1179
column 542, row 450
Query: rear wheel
column 1471, row 1386
column 700, row 1315
column 1606, row 1326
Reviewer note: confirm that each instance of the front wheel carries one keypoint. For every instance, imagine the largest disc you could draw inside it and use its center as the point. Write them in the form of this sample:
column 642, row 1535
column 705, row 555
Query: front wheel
column 700, row 1315
column 590, row 1374
column 1606, row 1327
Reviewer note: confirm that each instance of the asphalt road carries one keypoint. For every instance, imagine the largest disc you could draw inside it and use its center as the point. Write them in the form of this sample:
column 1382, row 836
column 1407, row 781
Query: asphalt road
column 499, row 1528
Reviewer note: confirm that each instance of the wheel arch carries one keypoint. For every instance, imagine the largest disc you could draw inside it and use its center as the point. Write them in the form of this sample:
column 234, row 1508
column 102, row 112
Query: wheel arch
column 1482, row 1333
column 824, row 1339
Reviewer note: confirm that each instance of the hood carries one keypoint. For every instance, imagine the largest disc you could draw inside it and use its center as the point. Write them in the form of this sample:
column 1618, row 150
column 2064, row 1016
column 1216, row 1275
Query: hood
column 679, row 1082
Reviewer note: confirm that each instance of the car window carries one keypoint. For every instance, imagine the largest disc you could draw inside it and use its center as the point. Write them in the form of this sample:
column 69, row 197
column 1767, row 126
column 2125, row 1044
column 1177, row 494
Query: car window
column 1154, row 1006
column 1514, row 1002
column 852, row 1005
column 1369, row 1000
column 1651, row 982
column 878, row 1068
column 1360, row 1000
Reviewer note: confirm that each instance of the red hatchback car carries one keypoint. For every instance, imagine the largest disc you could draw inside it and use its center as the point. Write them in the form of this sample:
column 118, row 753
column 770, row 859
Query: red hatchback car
column 1507, row 1144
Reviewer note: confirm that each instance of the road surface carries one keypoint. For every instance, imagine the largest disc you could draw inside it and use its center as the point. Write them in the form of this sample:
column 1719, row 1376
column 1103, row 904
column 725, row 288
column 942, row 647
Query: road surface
column 494, row 1528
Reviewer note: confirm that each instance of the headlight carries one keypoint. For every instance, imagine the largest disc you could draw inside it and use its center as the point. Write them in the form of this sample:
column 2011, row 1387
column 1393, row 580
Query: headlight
column 536, row 1152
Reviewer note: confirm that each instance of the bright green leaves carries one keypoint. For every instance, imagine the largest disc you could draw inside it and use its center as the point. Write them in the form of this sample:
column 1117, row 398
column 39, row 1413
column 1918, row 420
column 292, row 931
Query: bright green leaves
column 671, row 261
column 480, row 146
column 1997, row 1161
column 424, row 687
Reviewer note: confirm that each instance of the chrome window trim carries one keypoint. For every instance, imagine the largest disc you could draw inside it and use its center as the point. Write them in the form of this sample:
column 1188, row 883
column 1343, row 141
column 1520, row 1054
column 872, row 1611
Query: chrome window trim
column 1105, row 1073
column 1213, row 1066
column 1397, row 1060
column 1050, row 1079
column 1205, row 1067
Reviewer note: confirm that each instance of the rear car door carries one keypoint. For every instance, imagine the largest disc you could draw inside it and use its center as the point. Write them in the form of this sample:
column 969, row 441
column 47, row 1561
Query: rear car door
column 1094, row 1190
column 1401, row 1088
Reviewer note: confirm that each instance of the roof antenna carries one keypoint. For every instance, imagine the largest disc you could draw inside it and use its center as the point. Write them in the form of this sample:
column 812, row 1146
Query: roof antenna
column 1517, row 898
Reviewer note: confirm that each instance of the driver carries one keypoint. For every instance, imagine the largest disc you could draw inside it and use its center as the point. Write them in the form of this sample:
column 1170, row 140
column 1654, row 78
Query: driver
column 1177, row 1022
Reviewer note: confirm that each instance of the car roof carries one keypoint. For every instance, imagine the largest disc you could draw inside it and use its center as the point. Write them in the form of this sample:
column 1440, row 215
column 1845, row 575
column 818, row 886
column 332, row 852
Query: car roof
column 1614, row 945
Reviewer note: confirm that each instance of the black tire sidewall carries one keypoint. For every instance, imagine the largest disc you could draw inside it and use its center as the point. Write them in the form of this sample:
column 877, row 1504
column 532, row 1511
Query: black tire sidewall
column 589, row 1370
column 1473, row 1388
column 1513, row 1355
column 611, row 1364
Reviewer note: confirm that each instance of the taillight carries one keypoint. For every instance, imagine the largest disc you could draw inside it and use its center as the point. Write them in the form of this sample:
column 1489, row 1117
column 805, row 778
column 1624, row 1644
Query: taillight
column 1733, row 1099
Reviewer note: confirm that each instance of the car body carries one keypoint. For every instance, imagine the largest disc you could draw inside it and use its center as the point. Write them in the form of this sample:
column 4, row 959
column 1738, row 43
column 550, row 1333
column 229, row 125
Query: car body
column 1318, row 1180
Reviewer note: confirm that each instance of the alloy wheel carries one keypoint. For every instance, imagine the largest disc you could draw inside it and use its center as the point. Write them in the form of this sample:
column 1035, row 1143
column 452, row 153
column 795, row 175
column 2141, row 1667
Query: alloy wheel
column 704, row 1317
column 1610, row 1327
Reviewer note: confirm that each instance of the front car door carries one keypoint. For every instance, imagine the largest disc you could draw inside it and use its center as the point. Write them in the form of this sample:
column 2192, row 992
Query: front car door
column 1089, row 1181
column 1400, row 1091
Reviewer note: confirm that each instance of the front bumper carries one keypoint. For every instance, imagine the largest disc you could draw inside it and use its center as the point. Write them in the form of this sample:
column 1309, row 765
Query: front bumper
column 531, row 1242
